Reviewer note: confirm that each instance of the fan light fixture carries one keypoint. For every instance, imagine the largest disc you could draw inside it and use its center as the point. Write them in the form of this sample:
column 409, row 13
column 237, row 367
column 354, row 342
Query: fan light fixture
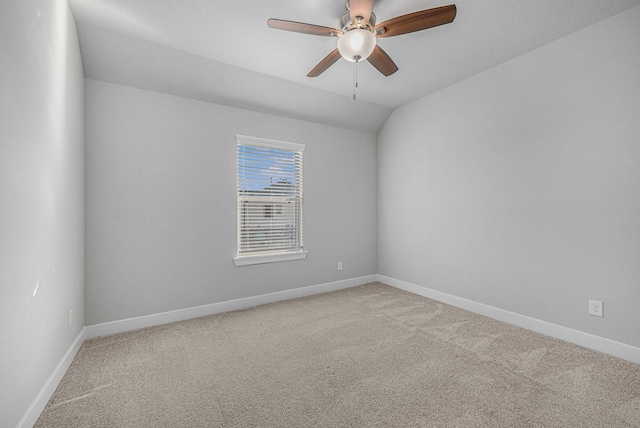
column 356, row 45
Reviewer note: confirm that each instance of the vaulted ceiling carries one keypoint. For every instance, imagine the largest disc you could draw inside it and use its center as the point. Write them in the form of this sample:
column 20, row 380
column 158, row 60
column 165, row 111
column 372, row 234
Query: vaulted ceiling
column 222, row 51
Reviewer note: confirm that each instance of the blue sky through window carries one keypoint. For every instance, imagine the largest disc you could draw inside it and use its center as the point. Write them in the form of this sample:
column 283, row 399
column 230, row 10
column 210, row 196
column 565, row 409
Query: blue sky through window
column 260, row 167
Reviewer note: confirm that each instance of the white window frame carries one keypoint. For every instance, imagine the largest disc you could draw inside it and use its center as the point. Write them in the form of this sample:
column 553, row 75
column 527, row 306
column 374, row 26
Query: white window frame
column 269, row 256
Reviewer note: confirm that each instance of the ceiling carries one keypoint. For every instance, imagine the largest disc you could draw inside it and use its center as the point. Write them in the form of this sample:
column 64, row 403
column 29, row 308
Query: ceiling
column 222, row 51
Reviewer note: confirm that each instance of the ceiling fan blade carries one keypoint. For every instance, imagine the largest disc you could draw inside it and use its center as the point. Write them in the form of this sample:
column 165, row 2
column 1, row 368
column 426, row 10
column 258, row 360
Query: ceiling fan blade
column 326, row 62
column 382, row 62
column 300, row 27
column 361, row 8
column 416, row 21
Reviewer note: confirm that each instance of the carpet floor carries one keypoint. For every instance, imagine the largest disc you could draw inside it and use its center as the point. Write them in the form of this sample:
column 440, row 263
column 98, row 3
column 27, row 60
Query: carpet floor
column 369, row 356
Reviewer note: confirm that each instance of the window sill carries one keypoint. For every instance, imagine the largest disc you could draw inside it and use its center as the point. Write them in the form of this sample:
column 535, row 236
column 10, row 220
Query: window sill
column 269, row 258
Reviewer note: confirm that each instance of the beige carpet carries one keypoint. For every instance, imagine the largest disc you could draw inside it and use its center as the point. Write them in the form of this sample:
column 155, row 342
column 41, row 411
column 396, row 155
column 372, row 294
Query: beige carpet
column 370, row 356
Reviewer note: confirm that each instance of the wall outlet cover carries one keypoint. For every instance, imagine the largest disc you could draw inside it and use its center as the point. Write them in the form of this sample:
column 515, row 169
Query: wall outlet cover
column 596, row 308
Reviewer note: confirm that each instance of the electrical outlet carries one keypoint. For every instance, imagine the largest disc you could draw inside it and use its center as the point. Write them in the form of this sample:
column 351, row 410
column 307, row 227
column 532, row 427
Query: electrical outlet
column 339, row 265
column 596, row 308
column 70, row 317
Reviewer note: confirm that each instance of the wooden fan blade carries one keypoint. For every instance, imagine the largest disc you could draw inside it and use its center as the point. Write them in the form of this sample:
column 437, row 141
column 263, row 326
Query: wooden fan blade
column 301, row 27
column 326, row 62
column 416, row 21
column 382, row 62
column 361, row 8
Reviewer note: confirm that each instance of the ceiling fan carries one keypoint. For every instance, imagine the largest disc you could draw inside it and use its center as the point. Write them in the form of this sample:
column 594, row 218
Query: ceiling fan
column 357, row 33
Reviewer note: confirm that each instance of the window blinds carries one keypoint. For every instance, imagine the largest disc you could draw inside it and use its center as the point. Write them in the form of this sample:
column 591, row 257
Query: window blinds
column 269, row 184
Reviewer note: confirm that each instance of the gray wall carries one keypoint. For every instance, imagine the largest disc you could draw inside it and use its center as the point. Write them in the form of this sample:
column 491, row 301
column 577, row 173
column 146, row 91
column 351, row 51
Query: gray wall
column 520, row 187
column 161, row 204
column 41, row 197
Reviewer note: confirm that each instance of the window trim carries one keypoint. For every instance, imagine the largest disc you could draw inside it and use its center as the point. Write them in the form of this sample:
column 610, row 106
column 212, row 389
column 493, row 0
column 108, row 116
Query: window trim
column 256, row 259
column 276, row 256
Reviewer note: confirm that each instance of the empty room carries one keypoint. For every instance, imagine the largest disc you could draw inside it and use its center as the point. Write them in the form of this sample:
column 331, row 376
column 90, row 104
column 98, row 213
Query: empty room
column 319, row 213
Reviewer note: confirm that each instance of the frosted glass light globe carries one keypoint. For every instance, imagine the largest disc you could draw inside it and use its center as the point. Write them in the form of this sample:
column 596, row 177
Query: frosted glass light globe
column 356, row 45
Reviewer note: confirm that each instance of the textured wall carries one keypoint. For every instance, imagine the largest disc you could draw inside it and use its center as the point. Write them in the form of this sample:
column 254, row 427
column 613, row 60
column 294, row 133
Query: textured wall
column 161, row 203
column 518, row 187
column 41, row 197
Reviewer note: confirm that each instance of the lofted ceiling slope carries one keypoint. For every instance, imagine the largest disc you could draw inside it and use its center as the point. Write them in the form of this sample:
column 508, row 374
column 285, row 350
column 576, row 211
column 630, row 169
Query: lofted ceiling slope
column 222, row 51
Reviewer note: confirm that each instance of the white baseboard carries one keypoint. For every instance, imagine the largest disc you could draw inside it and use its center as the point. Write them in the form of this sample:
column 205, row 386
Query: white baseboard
column 129, row 324
column 37, row 406
column 580, row 338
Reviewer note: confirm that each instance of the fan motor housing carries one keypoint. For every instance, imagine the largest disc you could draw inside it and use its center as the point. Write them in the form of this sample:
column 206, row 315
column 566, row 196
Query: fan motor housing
column 345, row 23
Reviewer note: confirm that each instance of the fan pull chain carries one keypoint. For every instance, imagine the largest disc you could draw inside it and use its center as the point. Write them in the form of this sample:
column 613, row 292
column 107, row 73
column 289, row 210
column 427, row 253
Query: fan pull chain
column 355, row 79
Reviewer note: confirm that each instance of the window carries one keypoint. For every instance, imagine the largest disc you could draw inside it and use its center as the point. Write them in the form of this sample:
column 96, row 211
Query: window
column 269, row 193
